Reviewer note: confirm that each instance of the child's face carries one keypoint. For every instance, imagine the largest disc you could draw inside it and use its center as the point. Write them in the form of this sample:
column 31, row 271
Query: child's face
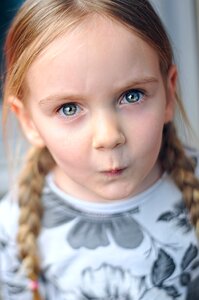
column 97, row 100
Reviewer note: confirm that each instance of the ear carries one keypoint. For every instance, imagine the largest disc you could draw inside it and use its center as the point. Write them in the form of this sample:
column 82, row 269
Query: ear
column 26, row 122
column 171, row 93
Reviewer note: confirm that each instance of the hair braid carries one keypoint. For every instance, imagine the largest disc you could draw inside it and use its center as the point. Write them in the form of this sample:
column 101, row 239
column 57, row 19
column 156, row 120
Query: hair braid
column 39, row 162
column 182, row 169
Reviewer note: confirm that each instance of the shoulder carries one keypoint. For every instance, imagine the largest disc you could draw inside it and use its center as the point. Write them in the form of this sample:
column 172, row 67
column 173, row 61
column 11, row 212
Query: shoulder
column 13, row 279
column 9, row 212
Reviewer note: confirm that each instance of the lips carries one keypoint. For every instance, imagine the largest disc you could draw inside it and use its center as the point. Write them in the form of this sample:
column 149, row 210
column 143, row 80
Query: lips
column 114, row 172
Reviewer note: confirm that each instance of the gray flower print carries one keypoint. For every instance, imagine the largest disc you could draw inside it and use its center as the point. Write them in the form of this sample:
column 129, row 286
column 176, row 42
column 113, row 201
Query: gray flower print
column 108, row 283
column 92, row 231
column 114, row 283
column 179, row 215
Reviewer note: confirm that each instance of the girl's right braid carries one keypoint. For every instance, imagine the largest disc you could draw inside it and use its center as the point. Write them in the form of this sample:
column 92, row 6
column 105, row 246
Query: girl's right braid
column 182, row 169
column 39, row 163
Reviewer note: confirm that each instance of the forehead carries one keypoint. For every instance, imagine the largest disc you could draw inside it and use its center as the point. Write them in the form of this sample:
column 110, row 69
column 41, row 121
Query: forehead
column 95, row 46
column 88, row 31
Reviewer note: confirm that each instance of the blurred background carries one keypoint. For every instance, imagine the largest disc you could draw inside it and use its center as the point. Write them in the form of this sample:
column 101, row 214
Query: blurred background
column 8, row 9
column 180, row 18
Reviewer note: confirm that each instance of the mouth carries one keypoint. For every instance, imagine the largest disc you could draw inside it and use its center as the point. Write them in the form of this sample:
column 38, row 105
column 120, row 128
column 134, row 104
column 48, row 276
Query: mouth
column 114, row 172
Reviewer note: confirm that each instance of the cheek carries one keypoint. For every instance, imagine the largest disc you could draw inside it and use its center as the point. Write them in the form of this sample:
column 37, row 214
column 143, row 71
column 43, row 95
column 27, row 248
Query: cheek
column 145, row 132
column 66, row 145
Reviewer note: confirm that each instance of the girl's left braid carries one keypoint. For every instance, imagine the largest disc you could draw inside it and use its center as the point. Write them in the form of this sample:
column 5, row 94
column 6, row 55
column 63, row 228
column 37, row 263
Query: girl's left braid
column 182, row 169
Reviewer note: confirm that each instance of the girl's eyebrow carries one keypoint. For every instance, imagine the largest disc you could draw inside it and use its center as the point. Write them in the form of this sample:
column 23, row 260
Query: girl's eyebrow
column 137, row 82
column 60, row 97
column 74, row 97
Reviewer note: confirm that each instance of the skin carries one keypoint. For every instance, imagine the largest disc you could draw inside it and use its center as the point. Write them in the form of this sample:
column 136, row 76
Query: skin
column 107, row 147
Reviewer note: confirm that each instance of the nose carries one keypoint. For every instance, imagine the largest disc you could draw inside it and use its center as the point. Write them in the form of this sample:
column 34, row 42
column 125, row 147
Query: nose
column 107, row 132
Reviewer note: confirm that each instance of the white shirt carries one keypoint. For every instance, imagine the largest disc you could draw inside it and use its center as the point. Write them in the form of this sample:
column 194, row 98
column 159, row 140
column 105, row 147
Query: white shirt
column 144, row 248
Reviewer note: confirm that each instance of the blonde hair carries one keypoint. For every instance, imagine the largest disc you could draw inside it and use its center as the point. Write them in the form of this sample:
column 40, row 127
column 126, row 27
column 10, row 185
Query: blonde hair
column 36, row 25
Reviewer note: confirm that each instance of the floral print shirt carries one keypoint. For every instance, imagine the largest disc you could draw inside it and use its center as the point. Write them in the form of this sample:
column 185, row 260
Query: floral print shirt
column 144, row 248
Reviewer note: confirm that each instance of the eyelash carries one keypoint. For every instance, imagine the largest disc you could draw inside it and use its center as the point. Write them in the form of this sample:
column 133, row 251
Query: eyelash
column 141, row 94
column 68, row 105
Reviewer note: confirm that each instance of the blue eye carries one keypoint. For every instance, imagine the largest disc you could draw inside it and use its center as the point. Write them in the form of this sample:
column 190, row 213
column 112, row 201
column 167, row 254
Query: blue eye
column 133, row 96
column 68, row 109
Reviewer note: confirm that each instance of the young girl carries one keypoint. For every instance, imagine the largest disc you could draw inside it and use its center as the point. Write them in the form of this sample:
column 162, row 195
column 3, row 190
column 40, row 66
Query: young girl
column 107, row 204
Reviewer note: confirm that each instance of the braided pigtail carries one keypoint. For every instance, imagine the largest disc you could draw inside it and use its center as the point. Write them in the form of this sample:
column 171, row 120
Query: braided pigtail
column 39, row 163
column 182, row 169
